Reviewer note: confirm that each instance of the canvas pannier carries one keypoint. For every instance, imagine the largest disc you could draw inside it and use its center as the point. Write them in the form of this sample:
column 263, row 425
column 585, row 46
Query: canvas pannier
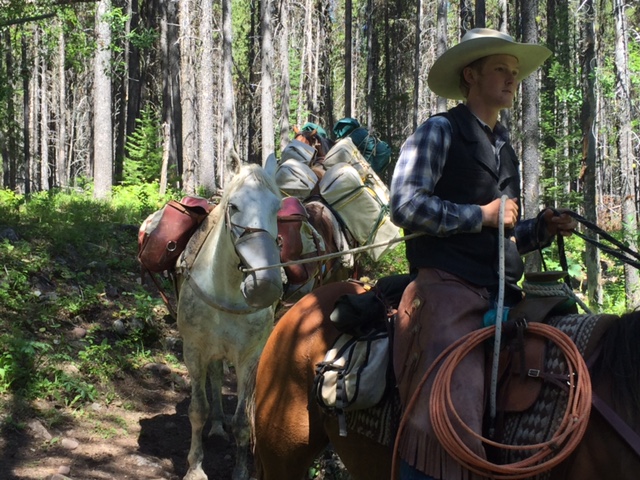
column 165, row 233
column 295, row 179
column 363, row 207
column 354, row 374
column 300, row 151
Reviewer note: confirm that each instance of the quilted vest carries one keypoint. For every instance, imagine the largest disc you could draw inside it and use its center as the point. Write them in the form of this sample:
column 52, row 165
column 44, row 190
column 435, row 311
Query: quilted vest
column 471, row 176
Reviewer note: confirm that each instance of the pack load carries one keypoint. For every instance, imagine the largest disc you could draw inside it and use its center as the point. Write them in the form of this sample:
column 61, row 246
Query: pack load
column 303, row 240
column 363, row 205
column 165, row 233
column 354, row 374
column 294, row 175
column 375, row 151
column 299, row 151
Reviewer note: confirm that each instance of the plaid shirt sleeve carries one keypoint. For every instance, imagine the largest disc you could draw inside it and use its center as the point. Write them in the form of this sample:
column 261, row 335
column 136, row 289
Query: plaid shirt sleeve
column 413, row 203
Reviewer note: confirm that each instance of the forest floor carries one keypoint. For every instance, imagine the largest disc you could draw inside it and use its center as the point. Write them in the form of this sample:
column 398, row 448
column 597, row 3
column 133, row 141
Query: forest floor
column 144, row 434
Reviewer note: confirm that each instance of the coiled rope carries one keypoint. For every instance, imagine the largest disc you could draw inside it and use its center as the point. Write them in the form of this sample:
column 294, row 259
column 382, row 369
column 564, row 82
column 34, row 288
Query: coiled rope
column 445, row 418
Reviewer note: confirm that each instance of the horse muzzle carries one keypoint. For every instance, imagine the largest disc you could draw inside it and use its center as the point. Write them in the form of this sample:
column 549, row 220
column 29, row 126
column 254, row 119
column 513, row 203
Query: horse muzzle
column 261, row 288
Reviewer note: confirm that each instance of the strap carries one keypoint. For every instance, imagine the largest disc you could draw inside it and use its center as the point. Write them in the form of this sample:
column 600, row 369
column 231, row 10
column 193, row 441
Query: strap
column 164, row 296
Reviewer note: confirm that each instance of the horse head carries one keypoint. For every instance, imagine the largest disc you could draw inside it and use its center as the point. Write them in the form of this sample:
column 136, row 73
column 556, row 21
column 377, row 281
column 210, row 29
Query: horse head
column 250, row 206
column 314, row 139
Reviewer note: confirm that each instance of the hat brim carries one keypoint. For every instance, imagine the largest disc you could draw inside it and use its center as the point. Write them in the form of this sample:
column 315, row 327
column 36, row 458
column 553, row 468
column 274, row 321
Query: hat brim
column 444, row 76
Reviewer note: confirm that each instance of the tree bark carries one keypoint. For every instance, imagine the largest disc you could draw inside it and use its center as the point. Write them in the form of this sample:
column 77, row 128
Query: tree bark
column 266, row 83
column 587, row 120
column 188, row 97
column 206, row 131
column 625, row 151
column 285, row 83
column 102, row 123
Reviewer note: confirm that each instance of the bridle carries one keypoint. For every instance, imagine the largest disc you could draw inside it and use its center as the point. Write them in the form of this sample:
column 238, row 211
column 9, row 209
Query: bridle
column 245, row 233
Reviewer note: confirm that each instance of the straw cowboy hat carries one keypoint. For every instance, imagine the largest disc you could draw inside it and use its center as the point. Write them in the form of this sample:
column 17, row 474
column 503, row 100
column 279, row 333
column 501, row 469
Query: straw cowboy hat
column 444, row 76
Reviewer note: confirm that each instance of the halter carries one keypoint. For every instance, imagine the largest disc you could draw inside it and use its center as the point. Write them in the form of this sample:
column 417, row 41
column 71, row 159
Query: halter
column 245, row 234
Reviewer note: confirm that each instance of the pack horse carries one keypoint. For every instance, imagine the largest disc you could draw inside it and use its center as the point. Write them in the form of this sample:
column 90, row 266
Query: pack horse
column 288, row 439
column 227, row 314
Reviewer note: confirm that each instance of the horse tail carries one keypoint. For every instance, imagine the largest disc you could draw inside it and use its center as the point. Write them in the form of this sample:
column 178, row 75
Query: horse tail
column 250, row 411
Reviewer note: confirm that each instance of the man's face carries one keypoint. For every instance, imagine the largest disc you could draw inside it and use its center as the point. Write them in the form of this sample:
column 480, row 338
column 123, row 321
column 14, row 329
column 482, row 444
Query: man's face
column 495, row 82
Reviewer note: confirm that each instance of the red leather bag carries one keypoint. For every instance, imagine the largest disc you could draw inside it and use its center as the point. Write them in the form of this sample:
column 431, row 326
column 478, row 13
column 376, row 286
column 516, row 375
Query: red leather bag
column 164, row 234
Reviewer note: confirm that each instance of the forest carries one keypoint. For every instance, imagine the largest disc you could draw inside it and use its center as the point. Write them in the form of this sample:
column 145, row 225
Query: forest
column 101, row 95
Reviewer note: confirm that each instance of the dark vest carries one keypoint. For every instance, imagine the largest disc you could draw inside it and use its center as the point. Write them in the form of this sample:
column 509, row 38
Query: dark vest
column 471, row 176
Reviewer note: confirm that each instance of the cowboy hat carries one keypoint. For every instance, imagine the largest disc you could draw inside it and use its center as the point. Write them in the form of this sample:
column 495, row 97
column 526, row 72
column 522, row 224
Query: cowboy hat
column 444, row 76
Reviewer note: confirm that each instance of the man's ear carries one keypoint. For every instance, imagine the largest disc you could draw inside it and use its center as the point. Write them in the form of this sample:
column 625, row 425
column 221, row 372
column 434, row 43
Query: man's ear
column 469, row 75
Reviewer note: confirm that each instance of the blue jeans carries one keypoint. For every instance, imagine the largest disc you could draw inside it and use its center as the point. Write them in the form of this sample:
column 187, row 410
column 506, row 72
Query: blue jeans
column 407, row 472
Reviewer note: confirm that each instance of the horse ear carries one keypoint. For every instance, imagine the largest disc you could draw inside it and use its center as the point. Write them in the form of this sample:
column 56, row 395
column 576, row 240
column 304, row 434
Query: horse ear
column 296, row 129
column 270, row 165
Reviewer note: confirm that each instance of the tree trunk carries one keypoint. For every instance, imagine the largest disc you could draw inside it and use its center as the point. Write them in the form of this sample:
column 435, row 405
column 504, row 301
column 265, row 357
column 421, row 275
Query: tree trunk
column 441, row 46
column 62, row 165
column 26, row 147
column 171, row 108
column 267, row 93
column 625, row 152
column 587, row 118
column 102, row 123
column 206, row 133
column 348, row 59
column 188, row 97
column 230, row 159
column 285, row 83
column 44, row 127
column 530, row 130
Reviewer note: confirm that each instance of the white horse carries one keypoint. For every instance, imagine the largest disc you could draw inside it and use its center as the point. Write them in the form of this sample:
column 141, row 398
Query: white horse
column 225, row 314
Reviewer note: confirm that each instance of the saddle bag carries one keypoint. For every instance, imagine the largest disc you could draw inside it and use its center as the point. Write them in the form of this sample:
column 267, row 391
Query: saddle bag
column 165, row 233
column 354, row 374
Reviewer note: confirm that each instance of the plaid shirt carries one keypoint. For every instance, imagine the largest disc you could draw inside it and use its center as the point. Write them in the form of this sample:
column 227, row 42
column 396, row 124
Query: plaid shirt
column 414, row 206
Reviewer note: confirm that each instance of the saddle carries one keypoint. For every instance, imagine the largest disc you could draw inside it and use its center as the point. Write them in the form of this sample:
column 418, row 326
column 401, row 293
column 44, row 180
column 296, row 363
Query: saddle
column 521, row 366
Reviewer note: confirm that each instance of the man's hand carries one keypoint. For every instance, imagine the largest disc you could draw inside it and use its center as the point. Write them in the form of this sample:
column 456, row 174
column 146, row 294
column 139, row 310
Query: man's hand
column 562, row 224
column 491, row 213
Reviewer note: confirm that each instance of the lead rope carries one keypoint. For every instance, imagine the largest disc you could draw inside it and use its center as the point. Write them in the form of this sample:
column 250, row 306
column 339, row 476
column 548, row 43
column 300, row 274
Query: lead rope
column 499, row 313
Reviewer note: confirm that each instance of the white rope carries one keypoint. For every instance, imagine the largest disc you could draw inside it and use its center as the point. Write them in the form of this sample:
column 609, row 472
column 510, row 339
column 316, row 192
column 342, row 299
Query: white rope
column 499, row 314
column 327, row 256
column 554, row 290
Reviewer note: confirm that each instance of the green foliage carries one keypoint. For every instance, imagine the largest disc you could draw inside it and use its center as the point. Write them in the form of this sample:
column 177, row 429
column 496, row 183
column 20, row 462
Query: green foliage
column 143, row 161
column 70, row 248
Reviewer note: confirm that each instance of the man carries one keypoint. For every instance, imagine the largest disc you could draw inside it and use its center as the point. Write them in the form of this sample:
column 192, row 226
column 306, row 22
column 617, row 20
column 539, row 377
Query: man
column 448, row 182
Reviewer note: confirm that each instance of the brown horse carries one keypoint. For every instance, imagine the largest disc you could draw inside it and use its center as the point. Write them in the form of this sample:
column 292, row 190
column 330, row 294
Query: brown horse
column 291, row 429
column 313, row 138
column 307, row 231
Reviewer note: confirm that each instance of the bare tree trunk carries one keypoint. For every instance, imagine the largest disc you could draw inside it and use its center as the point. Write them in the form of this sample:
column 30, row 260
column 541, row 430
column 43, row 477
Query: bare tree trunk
column 587, row 118
column 26, row 147
column 206, row 147
column 481, row 14
column 285, row 84
column 188, row 97
column 441, row 39
column 102, row 123
column 171, row 109
column 267, row 94
column 348, row 59
column 44, row 127
column 530, row 129
column 625, row 151
column 62, row 164
column 230, row 159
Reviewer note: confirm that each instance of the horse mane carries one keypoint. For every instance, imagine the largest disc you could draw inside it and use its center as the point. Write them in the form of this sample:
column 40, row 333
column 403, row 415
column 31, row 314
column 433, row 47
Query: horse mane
column 619, row 362
column 245, row 171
